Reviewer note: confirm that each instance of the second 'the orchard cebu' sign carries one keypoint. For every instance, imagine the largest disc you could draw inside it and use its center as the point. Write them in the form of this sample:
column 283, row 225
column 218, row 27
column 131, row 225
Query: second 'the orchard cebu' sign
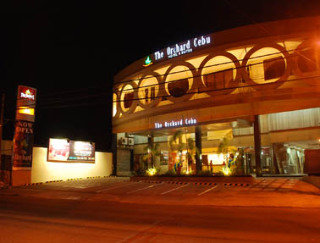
column 176, row 123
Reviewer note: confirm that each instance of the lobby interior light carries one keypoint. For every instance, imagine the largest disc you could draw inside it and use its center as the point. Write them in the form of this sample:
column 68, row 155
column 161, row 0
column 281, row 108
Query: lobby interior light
column 226, row 171
column 151, row 171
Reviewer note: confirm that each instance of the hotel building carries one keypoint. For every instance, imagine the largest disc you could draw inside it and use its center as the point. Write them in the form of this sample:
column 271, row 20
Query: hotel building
column 247, row 97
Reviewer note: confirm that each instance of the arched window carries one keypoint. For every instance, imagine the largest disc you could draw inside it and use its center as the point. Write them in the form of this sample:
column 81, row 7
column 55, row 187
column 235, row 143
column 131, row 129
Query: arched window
column 218, row 73
column 218, row 80
column 178, row 88
column 179, row 81
column 128, row 99
column 274, row 68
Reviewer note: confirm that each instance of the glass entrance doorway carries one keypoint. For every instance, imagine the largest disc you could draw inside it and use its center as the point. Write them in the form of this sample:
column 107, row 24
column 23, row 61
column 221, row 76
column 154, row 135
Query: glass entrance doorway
column 228, row 147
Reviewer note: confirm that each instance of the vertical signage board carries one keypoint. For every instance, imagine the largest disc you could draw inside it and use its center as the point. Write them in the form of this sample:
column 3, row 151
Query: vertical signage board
column 23, row 136
column 26, row 103
column 23, row 144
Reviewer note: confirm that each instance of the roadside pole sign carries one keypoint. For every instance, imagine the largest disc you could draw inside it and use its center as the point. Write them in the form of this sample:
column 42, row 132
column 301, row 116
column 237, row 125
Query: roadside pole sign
column 24, row 133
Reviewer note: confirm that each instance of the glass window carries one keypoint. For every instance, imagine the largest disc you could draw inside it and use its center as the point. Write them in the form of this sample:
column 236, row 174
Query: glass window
column 153, row 93
column 274, row 68
column 218, row 80
column 179, row 87
column 128, row 99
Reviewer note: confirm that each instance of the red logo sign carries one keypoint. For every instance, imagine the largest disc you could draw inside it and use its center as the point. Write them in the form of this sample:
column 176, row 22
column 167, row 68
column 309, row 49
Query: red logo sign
column 26, row 93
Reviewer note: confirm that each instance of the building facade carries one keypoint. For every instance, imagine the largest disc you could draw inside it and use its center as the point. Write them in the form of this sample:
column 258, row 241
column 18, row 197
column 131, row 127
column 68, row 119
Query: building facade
column 246, row 98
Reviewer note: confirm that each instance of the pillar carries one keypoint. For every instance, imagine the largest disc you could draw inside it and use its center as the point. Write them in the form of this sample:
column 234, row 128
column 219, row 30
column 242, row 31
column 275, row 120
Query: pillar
column 114, row 145
column 198, row 148
column 257, row 144
column 150, row 146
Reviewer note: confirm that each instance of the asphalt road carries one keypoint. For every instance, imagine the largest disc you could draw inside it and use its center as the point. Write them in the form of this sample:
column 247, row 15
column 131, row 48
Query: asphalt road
column 117, row 210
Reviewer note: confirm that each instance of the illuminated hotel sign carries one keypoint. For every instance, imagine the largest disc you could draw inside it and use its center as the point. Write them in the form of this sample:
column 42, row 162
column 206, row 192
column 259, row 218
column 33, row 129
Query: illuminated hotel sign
column 23, row 133
column 176, row 123
column 27, row 95
column 26, row 103
column 183, row 48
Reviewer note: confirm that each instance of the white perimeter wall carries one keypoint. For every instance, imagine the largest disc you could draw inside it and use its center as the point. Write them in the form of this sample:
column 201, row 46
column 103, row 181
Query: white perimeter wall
column 43, row 171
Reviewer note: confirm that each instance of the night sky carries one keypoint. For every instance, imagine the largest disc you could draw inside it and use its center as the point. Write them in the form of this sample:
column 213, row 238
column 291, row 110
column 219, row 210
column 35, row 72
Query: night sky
column 71, row 50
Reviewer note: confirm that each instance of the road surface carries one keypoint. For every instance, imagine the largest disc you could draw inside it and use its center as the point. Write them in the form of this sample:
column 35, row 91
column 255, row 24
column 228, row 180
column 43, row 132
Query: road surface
column 117, row 210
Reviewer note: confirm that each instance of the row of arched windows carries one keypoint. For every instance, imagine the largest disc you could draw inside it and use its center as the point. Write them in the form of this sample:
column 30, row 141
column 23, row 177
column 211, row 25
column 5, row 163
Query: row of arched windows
column 219, row 73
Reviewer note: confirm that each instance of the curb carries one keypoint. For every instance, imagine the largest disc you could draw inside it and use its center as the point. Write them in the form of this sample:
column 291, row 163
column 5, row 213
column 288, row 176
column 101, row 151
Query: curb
column 202, row 180
column 313, row 180
column 196, row 183
column 56, row 181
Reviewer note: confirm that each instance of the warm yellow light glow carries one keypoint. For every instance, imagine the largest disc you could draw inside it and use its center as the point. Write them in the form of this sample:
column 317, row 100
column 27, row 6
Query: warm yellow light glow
column 217, row 159
column 26, row 110
column 188, row 171
column 114, row 105
column 151, row 171
column 226, row 171
column 196, row 61
column 238, row 53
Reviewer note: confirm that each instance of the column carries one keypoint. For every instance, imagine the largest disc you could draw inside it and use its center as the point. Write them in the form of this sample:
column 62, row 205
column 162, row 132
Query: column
column 114, row 145
column 198, row 148
column 150, row 147
column 257, row 144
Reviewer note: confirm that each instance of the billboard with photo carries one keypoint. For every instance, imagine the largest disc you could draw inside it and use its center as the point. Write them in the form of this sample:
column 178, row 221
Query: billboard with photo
column 58, row 150
column 23, row 144
column 80, row 150
column 65, row 150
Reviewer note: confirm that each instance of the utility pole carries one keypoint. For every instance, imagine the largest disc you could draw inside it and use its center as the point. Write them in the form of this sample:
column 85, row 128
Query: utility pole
column 1, row 126
column 1, row 120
